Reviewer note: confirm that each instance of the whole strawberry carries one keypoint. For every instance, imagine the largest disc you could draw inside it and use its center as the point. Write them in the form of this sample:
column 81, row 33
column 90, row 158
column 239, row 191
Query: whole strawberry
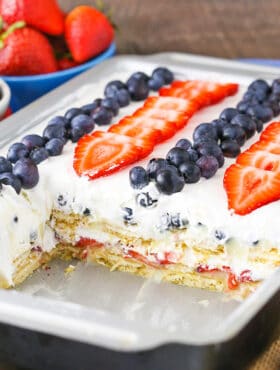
column 25, row 51
column 87, row 32
column 44, row 15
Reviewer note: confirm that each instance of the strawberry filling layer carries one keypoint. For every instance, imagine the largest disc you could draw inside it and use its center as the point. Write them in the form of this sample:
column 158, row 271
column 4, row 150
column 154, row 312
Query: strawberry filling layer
column 157, row 260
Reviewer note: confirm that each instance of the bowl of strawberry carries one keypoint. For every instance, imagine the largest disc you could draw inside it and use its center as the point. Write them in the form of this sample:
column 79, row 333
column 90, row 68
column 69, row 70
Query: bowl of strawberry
column 41, row 47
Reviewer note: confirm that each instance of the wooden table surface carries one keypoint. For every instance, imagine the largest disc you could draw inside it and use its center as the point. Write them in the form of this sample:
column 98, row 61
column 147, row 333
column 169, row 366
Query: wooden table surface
column 223, row 28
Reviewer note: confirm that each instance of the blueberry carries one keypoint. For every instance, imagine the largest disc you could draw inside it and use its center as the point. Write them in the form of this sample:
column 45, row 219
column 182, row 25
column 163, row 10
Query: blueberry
column 259, row 125
column 5, row 165
column 259, row 85
column 138, row 89
column 27, row 171
column 276, row 87
column 220, row 235
column 261, row 112
column 242, row 106
column 218, row 124
column 177, row 156
column 172, row 222
column 234, row 132
column 102, row 116
column 75, row 134
column 138, row 76
column 246, row 123
column 38, row 155
column 54, row 131
column 260, row 95
column 155, row 165
column 168, row 182
column 112, row 87
column 54, row 146
column 89, row 108
column 164, row 73
column 230, row 148
column 58, row 120
column 156, row 82
column 228, row 114
column 128, row 217
column 273, row 103
column 138, row 177
column 111, row 104
column 203, row 140
column 193, row 155
column 123, row 97
column 16, row 151
column 208, row 166
column 250, row 97
column 8, row 178
column 211, row 149
column 184, row 144
column 33, row 141
column 205, row 131
column 72, row 112
column 190, row 172
column 146, row 200
column 82, row 122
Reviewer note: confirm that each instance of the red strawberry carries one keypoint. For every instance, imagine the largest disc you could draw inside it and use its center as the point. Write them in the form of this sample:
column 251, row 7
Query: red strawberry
column 45, row 15
column 171, row 103
column 87, row 32
column 130, row 126
column 25, row 51
column 201, row 93
column 66, row 63
column 103, row 153
column 260, row 159
column 167, row 129
column 255, row 179
column 174, row 118
column 249, row 188
column 272, row 133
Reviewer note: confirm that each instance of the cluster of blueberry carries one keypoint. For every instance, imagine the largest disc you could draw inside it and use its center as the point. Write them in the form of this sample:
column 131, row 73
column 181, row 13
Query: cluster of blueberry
column 119, row 94
column 76, row 122
column 187, row 162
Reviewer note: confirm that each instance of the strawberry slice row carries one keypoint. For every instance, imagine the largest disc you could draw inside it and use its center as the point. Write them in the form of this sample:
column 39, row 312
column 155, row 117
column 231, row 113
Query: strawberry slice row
column 201, row 93
column 135, row 136
column 159, row 119
column 104, row 153
column 254, row 180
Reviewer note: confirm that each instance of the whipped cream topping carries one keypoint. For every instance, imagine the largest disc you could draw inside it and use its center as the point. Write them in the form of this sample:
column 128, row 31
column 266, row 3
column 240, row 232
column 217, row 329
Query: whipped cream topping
column 203, row 205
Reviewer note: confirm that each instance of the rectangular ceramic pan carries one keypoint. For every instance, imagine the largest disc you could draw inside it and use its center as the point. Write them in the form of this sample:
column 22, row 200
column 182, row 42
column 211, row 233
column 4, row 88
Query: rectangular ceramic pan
column 94, row 319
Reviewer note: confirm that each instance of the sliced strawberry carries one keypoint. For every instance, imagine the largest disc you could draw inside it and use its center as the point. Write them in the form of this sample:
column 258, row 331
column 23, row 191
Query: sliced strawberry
column 268, row 146
column 103, row 153
column 130, row 126
column 146, row 146
column 201, row 93
column 171, row 103
column 249, row 188
column 167, row 129
column 272, row 133
column 179, row 119
column 260, row 159
column 231, row 88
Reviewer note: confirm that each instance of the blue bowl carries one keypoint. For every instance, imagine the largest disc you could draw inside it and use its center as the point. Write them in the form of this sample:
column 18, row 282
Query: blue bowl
column 25, row 89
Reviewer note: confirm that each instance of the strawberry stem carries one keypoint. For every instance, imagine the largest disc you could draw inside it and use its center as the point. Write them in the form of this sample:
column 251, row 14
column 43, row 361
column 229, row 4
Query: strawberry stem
column 15, row 26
